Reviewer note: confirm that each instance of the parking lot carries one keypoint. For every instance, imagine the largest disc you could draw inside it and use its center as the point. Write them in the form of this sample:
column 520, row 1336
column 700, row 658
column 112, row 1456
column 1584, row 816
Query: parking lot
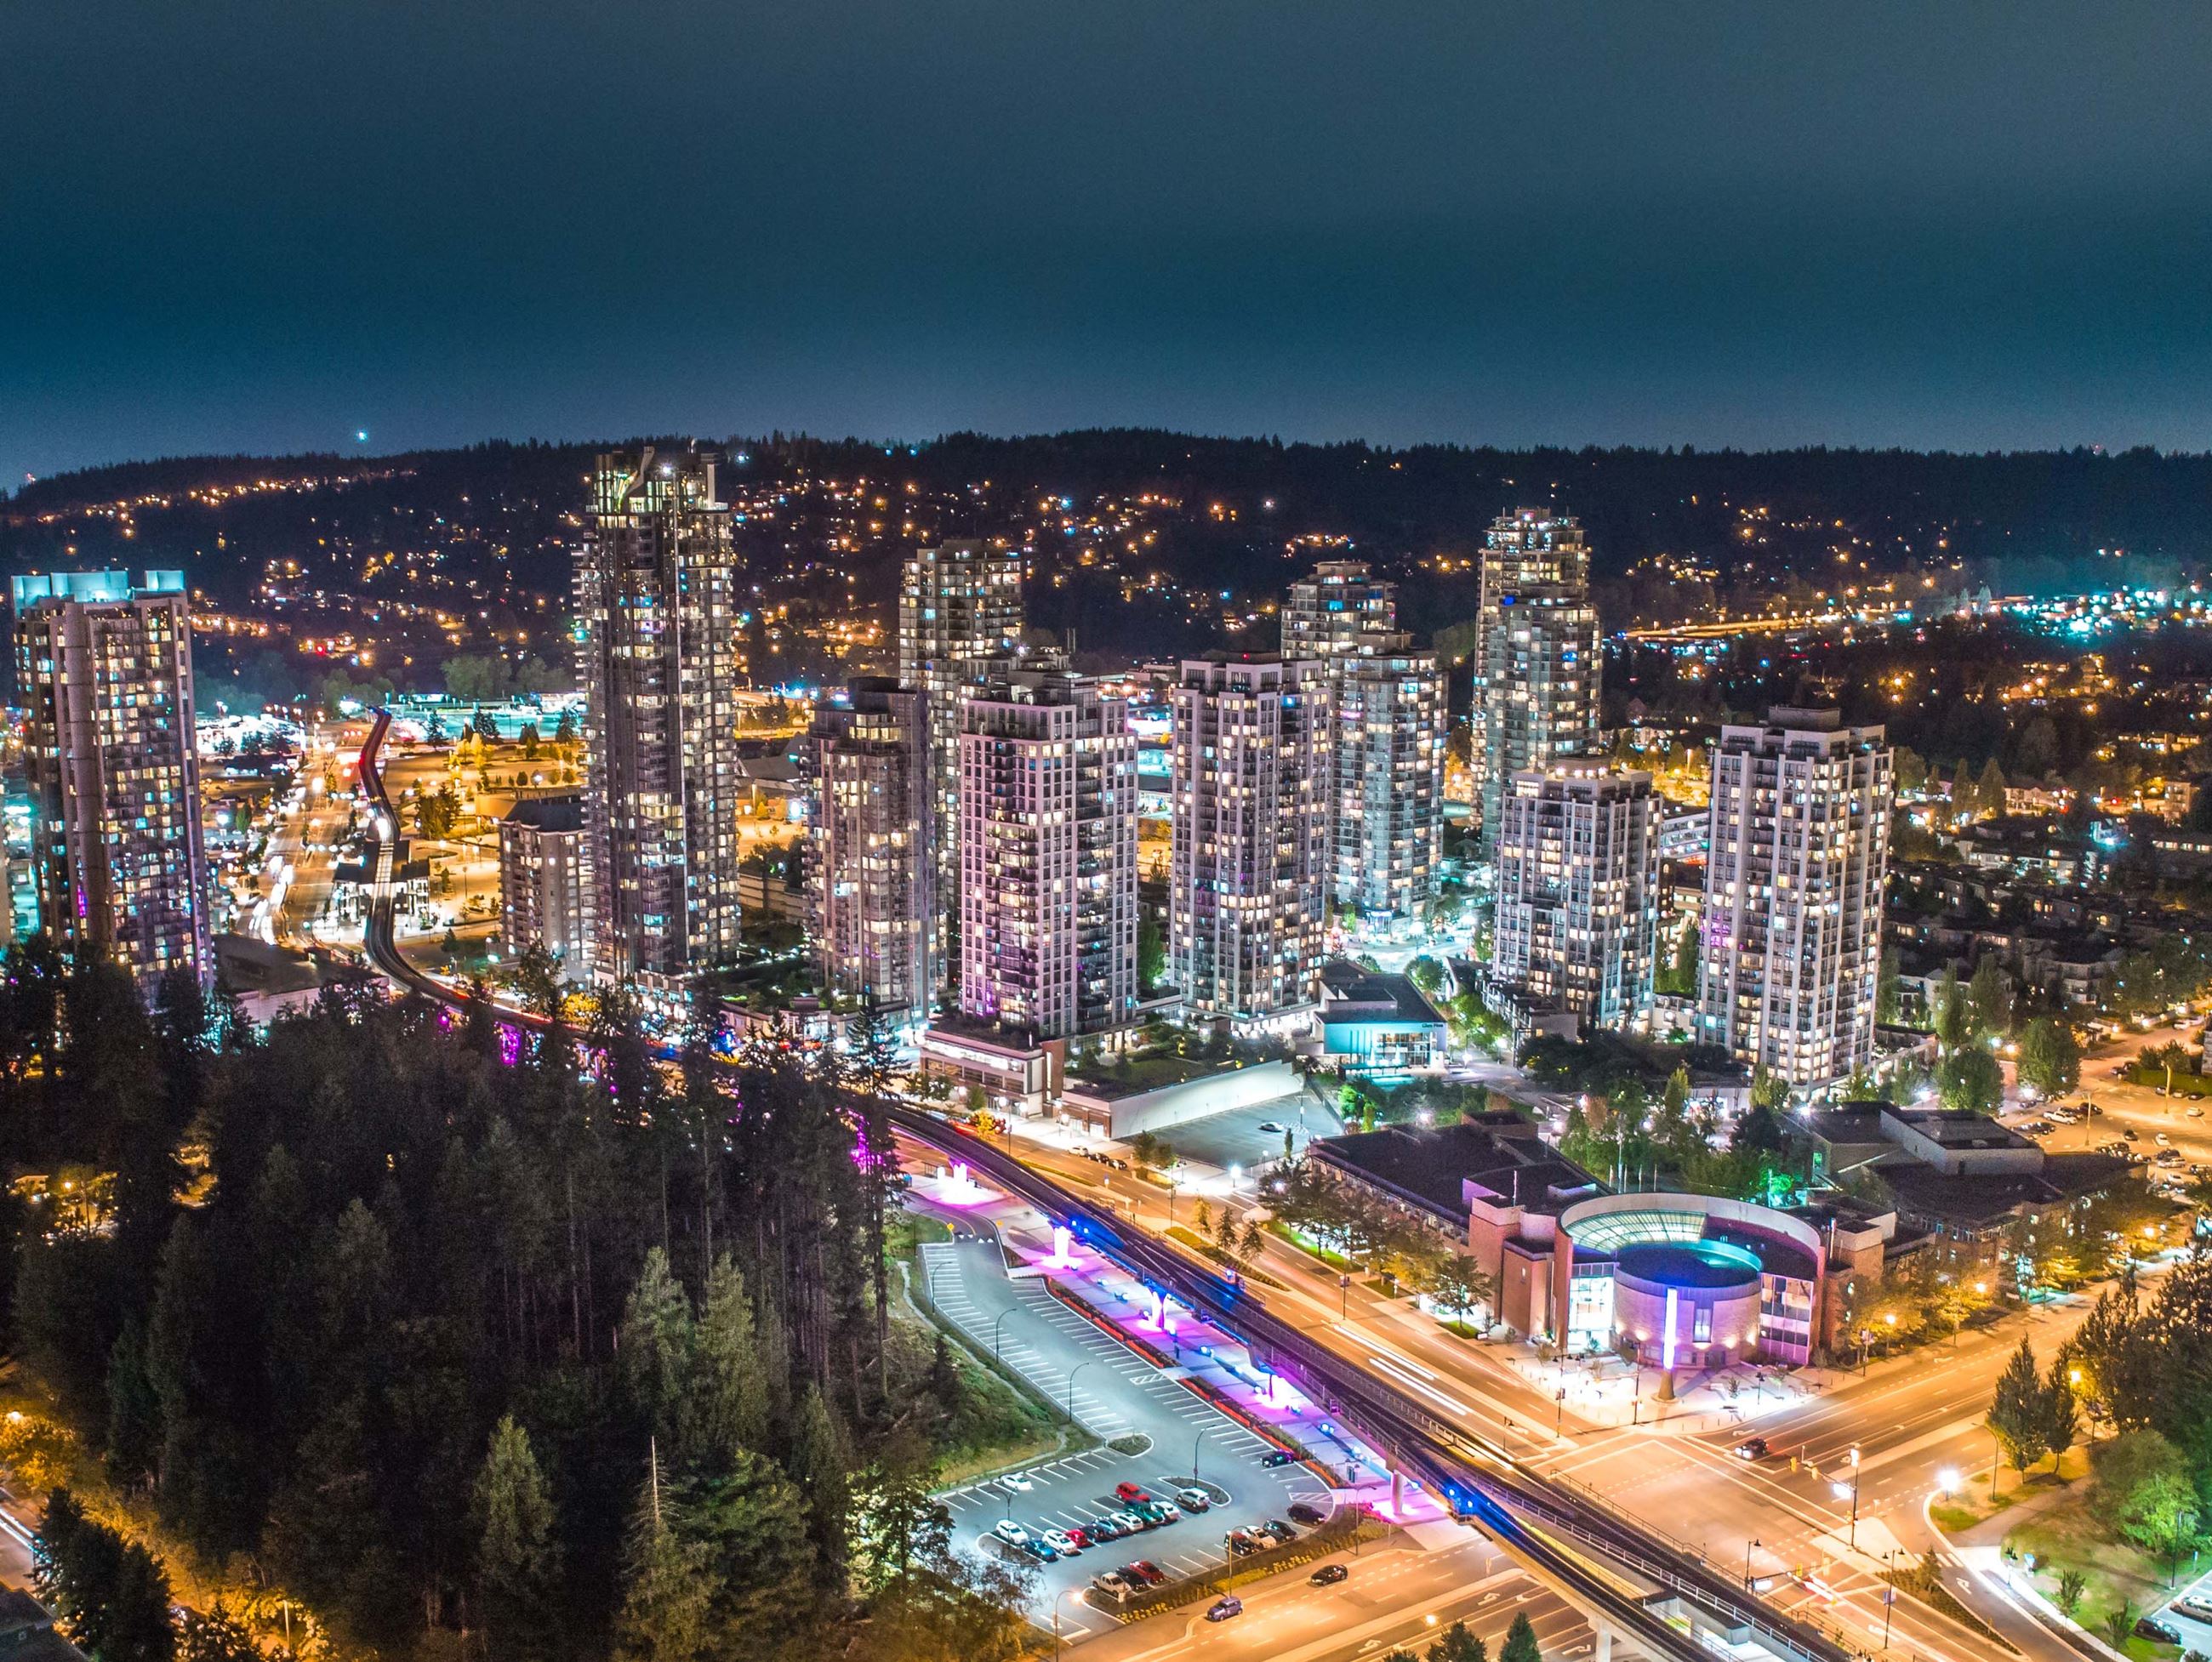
column 1112, row 1393
column 1234, row 1136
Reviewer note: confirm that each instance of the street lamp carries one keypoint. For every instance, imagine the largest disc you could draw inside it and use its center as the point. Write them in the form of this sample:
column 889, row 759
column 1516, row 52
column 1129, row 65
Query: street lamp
column 1839, row 1490
column 1056, row 1597
column 1077, row 1368
column 1011, row 1310
column 1888, row 1595
column 1747, row 1547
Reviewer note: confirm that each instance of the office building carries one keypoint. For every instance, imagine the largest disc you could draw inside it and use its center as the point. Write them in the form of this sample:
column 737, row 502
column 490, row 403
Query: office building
column 1538, row 699
column 1797, row 856
column 1049, row 846
column 544, row 881
column 1329, row 613
column 657, row 660
column 878, row 932
column 1387, row 777
column 1530, row 548
column 1578, row 917
column 104, row 666
column 1251, row 819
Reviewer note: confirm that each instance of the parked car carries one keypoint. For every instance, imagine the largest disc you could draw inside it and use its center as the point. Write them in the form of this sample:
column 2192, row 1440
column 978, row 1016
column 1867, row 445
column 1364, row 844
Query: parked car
column 1193, row 1500
column 1019, row 1482
column 1130, row 1492
column 1080, row 1536
column 1282, row 1531
column 1112, row 1585
column 1273, row 1128
column 1242, row 1542
column 1306, row 1512
column 2149, row 1627
column 1131, row 1523
column 1010, row 1533
column 1751, row 1448
column 1328, row 1575
column 1104, row 1529
column 1145, row 1570
column 1060, row 1542
column 1225, row 1607
column 1042, row 1550
column 1277, row 1457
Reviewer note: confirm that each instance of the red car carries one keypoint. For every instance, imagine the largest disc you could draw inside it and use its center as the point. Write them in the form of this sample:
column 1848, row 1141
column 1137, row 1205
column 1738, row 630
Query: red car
column 1127, row 1492
column 1145, row 1570
column 1080, row 1537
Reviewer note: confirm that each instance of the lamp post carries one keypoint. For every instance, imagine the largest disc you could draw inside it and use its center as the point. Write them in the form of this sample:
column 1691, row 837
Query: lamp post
column 1011, row 1310
column 1747, row 1547
column 1077, row 1368
column 1056, row 1597
column 1888, row 1595
column 1855, row 1497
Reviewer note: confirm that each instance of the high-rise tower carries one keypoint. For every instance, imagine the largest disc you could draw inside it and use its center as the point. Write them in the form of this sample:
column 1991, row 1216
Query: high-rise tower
column 960, row 610
column 1579, row 892
column 1796, row 862
column 1539, row 696
column 1328, row 613
column 877, row 931
column 105, row 666
column 1527, row 549
column 658, row 659
column 1049, row 844
column 1388, row 768
column 1385, row 740
column 1251, row 818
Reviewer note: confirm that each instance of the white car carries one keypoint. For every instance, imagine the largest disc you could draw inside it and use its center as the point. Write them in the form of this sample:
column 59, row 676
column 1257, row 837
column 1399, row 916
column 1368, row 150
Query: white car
column 1193, row 1500
column 1059, row 1541
column 1018, row 1481
column 1010, row 1533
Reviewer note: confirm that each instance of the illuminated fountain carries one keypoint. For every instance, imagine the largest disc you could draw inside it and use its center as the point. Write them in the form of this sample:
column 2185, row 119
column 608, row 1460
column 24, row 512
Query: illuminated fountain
column 956, row 1188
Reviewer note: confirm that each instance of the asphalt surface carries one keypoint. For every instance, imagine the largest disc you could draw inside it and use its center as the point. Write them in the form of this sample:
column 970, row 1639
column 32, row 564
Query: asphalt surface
column 1395, row 1596
column 1234, row 1137
column 1913, row 1418
column 1112, row 1393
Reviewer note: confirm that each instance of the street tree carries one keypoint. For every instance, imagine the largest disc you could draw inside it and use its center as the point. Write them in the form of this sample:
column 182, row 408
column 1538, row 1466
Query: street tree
column 1460, row 1285
column 2019, row 1411
column 1521, row 1641
column 1970, row 1081
column 2049, row 1056
column 1456, row 1644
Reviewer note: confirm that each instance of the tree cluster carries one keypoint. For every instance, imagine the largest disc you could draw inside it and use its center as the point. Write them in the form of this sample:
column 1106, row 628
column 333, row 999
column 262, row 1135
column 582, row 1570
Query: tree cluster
column 444, row 1315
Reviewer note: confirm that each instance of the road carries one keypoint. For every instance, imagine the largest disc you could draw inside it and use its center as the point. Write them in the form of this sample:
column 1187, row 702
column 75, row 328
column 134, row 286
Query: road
column 2136, row 1107
column 1396, row 1595
column 1912, row 1418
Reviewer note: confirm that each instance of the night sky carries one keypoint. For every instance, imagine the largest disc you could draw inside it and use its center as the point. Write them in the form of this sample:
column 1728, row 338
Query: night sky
column 265, row 226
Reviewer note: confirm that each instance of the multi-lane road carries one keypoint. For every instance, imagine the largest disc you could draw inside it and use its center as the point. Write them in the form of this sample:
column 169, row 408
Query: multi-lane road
column 1914, row 1420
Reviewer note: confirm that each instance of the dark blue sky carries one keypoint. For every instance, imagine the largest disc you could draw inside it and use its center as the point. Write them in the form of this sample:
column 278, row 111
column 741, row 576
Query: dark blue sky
column 265, row 225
